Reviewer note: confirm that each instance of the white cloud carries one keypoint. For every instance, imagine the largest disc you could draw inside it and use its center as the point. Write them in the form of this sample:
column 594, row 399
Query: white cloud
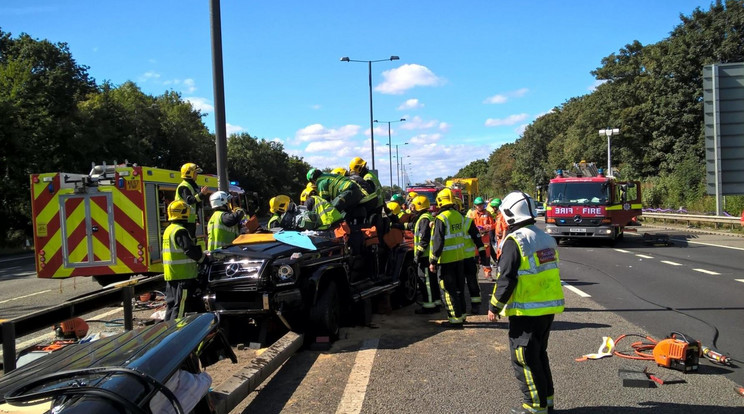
column 424, row 139
column 149, row 75
column 596, row 84
column 398, row 80
column 410, row 104
column 189, row 85
column 200, row 104
column 503, row 97
column 234, row 129
column 317, row 132
column 444, row 127
column 329, row 145
column 509, row 120
column 316, row 107
column 520, row 130
column 419, row 123
column 496, row 99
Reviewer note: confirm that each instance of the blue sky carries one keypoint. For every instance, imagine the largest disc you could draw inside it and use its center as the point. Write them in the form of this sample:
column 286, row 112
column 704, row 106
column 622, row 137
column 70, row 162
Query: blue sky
column 471, row 74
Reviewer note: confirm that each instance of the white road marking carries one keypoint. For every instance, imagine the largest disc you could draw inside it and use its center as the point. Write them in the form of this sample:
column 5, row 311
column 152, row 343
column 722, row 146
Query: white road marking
column 50, row 336
column 576, row 290
column 622, row 251
column 645, row 256
column 710, row 272
column 16, row 258
column 710, row 244
column 356, row 388
column 24, row 296
column 739, row 280
column 671, row 263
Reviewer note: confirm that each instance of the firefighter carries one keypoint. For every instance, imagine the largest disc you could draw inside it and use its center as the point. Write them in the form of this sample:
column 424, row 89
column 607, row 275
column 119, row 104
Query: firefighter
column 340, row 171
column 374, row 199
column 345, row 195
column 475, row 253
column 499, row 230
column 320, row 214
column 310, row 190
column 181, row 257
column 428, row 285
column 277, row 206
column 187, row 191
column 528, row 291
column 224, row 225
column 446, row 255
column 484, row 223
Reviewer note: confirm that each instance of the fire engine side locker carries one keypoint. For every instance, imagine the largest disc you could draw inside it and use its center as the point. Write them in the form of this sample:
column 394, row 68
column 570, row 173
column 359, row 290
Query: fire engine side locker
column 87, row 228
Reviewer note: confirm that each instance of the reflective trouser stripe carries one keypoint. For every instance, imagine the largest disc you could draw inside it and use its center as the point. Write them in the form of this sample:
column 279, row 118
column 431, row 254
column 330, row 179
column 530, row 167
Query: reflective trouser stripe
column 528, row 380
column 182, row 303
column 429, row 304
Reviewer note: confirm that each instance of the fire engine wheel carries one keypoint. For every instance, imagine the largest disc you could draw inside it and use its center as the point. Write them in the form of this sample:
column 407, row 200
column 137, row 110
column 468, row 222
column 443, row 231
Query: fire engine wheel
column 325, row 315
column 408, row 288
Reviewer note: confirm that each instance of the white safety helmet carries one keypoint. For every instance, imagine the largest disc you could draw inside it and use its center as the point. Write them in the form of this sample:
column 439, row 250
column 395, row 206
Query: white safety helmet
column 219, row 199
column 517, row 207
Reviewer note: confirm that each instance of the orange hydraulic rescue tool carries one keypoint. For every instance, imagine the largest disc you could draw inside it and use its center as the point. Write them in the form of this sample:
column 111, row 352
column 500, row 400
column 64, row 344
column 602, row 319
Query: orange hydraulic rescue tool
column 678, row 352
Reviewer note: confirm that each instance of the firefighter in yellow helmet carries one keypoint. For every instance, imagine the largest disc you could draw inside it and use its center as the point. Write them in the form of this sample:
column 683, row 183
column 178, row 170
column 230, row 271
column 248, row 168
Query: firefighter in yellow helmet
column 340, row 171
column 310, row 190
column 374, row 199
column 447, row 254
column 181, row 257
column 428, row 285
column 189, row 192
column 528, row 290
column 277, row 206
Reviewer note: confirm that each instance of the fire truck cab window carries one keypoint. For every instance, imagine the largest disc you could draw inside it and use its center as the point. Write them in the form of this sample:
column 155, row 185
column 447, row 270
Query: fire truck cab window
column 578, row 193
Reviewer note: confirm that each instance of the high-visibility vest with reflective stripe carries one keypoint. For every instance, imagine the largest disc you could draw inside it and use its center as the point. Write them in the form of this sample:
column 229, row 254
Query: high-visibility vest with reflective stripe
column 467, row 241
column 220, row 235
column 330, row 185
column 274, row 221
column 326, row 212
column 538, row 290
column 192, row 209
column 176, row 264
column 378, row 188
column 453, row 250
column 417, row 238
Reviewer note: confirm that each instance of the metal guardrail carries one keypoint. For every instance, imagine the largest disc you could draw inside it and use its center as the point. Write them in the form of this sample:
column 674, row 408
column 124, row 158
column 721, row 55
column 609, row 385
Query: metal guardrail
column 114, row 294
column 717, row 221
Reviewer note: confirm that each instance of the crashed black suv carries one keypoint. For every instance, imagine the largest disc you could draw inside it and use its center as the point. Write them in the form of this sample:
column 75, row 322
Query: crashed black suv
column 309, row 290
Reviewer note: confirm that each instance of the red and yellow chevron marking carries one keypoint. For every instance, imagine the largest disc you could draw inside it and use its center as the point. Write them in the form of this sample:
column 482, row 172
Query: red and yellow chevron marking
column 129, row 229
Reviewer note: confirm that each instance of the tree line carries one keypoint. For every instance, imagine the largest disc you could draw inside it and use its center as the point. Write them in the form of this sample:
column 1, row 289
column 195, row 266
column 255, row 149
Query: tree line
column 654, row 94
column 55, row 117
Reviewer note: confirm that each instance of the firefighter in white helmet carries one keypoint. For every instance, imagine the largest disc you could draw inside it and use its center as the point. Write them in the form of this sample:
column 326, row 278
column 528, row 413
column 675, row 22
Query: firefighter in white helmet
column 189, row 192
column 181, row 258
column 224, row 225
column 528, row 291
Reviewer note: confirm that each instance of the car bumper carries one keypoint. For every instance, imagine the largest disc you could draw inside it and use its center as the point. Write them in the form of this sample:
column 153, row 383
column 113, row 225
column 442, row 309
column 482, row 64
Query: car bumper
column 600, row 232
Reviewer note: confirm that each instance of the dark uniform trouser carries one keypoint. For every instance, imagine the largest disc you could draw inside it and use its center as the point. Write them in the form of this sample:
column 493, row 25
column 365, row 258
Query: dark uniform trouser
column 176, row 295
column 452, row 282
column 428, row 286
column 470, row 269
column 528, row 342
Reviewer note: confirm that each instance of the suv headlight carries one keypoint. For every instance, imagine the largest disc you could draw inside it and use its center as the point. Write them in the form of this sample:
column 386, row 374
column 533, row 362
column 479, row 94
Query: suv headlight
column 284, row 275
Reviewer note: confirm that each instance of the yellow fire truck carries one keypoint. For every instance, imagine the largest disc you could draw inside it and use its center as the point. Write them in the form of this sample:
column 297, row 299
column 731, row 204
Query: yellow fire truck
column 108, row 223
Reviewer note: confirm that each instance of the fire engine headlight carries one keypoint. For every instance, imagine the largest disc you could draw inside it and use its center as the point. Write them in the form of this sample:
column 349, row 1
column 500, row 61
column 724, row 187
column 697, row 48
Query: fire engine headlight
column 285, row 274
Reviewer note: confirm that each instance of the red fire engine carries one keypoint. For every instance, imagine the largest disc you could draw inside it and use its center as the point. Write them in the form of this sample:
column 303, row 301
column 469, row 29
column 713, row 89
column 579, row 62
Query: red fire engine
column 585, row 203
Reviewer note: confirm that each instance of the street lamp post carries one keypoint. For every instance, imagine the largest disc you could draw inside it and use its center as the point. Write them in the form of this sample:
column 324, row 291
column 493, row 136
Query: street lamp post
column 371, row 116
column 609, row 132
column 390, row 148
column 398, row 162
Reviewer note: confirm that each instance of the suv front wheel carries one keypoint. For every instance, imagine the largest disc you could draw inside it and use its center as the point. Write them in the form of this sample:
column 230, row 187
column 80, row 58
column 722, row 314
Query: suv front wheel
column 325, row 315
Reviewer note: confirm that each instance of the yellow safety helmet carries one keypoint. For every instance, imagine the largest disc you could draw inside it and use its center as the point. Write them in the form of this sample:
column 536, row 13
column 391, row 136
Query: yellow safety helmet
column 412, row 195
column 279, row 204
column 190, row 170
column 310, row 190
column 393, row 208
column 340, row 171
column 445, row 198
column 420, row 203
column 357, row 164
column 178, row 210
column 458, row 203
